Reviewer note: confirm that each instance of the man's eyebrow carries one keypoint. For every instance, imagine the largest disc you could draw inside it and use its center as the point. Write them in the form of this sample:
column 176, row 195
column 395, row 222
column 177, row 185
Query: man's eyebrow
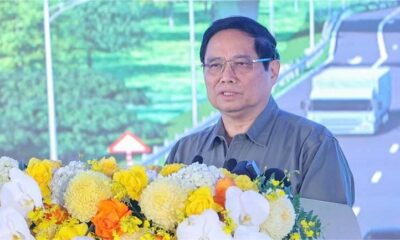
column 211, row 59
column 241, row 56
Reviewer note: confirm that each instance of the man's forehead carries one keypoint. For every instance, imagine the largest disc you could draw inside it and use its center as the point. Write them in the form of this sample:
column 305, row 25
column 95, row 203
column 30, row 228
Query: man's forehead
column 230, row 43
column 231, row 32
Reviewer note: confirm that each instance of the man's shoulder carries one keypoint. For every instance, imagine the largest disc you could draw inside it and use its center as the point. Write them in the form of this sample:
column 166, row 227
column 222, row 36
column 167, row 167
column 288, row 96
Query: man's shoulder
column 197, row 137
column 189, row 146
column 302, row 125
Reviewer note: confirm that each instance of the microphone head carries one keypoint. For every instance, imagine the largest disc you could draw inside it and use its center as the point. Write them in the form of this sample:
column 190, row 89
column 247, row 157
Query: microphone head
column 248, row 168
column 253, row 169
column 198, row 159
column 278, row 175
column 230, row 164
column 240, row 168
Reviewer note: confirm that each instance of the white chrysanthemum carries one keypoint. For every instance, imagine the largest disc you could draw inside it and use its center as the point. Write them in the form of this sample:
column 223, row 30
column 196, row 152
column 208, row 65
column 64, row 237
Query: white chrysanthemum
column 84, row 193
column 163, row 202
column 281, row 218
column 197, row 175
column 61, row 178
column 6, row 164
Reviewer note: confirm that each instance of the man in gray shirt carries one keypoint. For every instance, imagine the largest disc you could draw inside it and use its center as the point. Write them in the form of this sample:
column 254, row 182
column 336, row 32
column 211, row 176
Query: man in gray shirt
column 241, row 65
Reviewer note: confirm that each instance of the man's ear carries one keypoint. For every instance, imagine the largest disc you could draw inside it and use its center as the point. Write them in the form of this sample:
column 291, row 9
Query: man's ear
column 274, row 67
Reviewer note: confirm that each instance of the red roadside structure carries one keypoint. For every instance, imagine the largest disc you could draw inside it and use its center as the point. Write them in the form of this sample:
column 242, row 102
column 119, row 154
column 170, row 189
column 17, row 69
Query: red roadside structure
column 129, row 144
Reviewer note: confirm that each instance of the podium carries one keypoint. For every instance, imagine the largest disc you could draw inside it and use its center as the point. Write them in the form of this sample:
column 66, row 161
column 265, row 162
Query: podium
column 337, row 220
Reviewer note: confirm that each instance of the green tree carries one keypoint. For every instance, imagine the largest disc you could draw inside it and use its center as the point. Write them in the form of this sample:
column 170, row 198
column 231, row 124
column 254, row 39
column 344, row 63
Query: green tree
column 99, row 26
column 23, row 121
column 21, row 38
column 91, row 114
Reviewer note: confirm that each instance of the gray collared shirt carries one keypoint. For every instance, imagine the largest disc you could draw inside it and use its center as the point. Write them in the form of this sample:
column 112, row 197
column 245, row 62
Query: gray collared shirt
column 278, row 139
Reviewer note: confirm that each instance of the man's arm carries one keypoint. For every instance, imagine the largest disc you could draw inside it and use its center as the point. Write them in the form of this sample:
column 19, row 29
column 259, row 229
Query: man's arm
column 173, row 156
column 327, row 175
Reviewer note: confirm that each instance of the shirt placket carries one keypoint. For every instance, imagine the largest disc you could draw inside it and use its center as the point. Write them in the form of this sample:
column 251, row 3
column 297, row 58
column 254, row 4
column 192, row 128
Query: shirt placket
column 235, row 148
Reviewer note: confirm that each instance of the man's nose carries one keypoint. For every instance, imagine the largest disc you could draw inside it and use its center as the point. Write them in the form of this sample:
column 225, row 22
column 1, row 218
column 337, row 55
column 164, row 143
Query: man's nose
column 227, row 74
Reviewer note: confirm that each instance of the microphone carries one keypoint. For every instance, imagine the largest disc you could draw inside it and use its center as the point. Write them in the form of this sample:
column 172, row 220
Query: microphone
column 248, row 168
column 278, row 175
column 230, row 164
column 198, row 159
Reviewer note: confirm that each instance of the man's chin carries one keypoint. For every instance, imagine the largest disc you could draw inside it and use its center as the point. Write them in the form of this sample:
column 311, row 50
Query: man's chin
column 230, row 110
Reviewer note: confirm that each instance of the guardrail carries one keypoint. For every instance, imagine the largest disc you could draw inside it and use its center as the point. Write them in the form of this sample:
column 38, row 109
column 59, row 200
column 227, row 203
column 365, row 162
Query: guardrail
column 299, row 70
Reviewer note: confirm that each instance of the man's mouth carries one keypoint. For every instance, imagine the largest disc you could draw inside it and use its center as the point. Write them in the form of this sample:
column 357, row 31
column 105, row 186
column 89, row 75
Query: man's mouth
column 228, row 93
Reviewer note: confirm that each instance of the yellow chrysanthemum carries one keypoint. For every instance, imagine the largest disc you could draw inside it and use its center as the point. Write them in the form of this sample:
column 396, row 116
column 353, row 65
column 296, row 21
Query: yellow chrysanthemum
column 42, row 172
column 171, row 168
column 226, row 173
column 164, row 235
column 275, row 183
column 134, row 180
column 45, row 230
column 84, row 193
column 71, row 229
column 163, row 202
column 132, row 236
column 199, row 200
column 108, row 166
column 309, row 233
column 133, row 232
column 275, row 195
column 118, row 190
column 244, row 183
column 306, row 225
column 295, row 236
column 36, row 215
column 281, row 219
column 130, row 224
column 230, row 225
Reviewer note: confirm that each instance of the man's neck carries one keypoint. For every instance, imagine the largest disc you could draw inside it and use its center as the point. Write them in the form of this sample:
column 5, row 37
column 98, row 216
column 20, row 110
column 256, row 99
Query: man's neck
column 234, row 126
column 238, row 123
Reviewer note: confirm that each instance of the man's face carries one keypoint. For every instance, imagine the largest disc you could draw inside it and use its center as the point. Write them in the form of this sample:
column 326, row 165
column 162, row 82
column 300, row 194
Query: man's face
column 237, row 91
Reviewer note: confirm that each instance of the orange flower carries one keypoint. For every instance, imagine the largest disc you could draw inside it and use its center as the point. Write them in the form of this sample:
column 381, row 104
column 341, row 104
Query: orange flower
column 56, row 213
column 220, row 189
column 108, row 218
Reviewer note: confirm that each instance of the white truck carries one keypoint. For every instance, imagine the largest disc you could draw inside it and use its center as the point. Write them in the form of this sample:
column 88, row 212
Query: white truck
column 350, row 100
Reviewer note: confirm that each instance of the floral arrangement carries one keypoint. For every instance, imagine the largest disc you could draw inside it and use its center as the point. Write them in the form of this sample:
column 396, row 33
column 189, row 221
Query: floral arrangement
column 99, row 200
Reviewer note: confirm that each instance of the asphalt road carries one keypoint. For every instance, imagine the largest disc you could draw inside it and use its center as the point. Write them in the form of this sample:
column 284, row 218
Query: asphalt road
column 374, row 159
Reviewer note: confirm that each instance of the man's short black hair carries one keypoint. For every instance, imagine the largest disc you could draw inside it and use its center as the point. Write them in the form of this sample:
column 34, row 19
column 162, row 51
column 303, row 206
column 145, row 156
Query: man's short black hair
column 264, row 44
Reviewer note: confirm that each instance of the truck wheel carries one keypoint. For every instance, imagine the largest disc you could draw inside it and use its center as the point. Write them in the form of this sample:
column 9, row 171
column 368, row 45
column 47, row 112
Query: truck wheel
column 385, row 118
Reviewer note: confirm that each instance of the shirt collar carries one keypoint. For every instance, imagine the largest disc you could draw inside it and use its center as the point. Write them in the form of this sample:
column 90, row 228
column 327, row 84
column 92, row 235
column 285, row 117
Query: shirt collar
column 259, row 131
column 218, row 133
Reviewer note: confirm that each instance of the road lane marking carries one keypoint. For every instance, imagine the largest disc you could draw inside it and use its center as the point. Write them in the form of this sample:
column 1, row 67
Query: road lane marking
column 381, row 41
column 394, row 148
column 355, row 60
column 376, row 177
column 356, row 210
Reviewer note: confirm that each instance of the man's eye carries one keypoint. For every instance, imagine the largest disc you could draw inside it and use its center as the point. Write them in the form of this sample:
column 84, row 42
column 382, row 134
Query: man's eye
column 242, row 63
column 215, row 65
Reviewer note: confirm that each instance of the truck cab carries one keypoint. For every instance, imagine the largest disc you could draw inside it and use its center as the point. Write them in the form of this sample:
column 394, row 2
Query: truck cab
column 350, row 100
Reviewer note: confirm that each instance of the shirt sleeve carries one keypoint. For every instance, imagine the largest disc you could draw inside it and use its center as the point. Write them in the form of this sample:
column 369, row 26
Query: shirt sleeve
column 173, row 156
column 327, row 175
